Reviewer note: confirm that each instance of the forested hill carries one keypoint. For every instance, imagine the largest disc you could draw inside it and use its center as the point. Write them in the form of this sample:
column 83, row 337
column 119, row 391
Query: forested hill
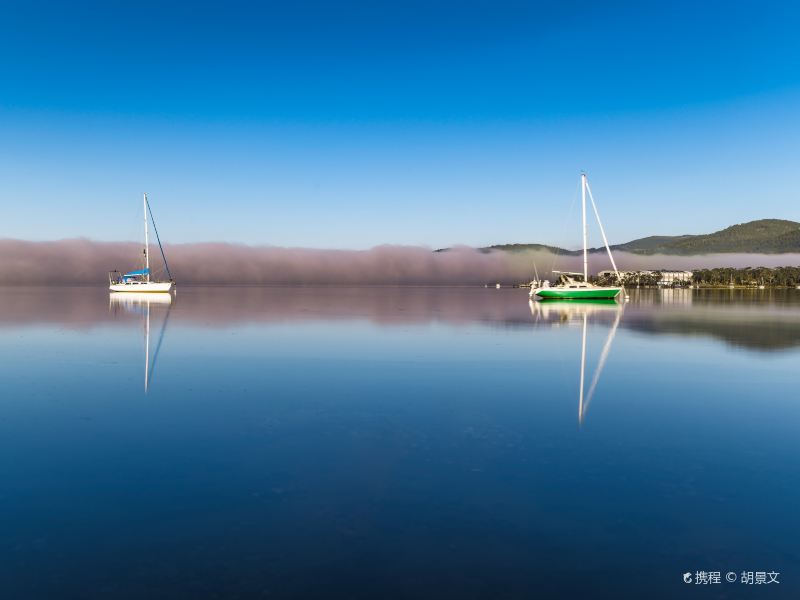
column 766, row 236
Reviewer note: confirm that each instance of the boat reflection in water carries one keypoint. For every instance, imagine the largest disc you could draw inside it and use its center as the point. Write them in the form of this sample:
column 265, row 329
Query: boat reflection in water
column 572, row 312
column 140, row 304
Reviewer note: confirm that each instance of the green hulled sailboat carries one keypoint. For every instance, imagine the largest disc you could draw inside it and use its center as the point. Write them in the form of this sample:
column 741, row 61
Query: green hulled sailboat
column 576, row 286
column 572, row 286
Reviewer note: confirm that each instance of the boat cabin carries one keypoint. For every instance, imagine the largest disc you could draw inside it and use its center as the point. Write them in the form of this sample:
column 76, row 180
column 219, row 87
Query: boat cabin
column 134, row 277
column 568, row 279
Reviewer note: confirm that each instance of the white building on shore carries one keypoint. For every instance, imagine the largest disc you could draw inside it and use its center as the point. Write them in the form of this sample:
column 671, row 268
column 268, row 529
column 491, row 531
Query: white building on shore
column 667, row 278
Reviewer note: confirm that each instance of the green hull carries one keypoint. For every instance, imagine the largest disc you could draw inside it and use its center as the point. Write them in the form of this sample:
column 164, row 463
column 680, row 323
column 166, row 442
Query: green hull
column 555, row 293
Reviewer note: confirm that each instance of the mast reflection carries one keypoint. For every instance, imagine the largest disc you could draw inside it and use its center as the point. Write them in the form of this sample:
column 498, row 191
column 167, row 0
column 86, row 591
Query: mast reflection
column 140, row 304
column 569, row 312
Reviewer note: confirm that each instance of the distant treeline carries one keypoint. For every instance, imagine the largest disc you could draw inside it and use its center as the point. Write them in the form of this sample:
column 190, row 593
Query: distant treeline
column 642, row 279
column 722, row 276
column 754, row 276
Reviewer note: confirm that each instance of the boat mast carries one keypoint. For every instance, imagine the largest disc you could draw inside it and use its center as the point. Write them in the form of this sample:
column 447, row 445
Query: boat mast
column 585, row 232
column 147, row 243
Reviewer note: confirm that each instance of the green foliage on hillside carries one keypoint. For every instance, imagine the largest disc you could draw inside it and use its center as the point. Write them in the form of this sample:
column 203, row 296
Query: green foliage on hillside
column 767, row 236
column 651, row 244
column 749, row 276
column 531, row 247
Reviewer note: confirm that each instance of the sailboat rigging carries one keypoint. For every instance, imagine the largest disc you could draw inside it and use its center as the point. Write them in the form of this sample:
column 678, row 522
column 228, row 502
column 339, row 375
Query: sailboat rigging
column 141, row 280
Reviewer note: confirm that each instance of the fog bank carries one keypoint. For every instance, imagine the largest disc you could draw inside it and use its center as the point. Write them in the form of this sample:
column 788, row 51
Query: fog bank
column 81, row 261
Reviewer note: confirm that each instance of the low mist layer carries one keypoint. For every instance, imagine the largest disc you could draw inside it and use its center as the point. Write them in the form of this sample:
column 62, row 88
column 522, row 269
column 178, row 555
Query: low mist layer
column 86, row 262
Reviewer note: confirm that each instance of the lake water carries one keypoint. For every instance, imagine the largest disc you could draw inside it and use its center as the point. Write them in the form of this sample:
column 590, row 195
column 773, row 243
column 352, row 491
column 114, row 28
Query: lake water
column 397, row 442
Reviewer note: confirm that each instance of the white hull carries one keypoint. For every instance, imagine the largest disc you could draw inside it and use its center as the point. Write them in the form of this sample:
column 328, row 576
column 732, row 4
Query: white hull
column 142, row 287
column 131, row 299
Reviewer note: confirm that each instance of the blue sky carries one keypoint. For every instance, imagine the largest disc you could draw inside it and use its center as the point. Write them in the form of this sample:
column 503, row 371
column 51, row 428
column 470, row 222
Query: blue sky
column 352, row 124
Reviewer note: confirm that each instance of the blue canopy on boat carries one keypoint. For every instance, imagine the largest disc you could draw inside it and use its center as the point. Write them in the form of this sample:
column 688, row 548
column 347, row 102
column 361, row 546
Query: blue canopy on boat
column 137, row 273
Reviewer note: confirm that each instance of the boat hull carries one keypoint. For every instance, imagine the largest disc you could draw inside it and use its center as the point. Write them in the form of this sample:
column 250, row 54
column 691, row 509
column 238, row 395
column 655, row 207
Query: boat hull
column 595, row 293
column 158, row 287
column 130, row 299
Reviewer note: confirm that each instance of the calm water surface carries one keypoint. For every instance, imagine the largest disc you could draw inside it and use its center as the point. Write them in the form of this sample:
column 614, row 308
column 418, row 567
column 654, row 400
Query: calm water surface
column 412, row 442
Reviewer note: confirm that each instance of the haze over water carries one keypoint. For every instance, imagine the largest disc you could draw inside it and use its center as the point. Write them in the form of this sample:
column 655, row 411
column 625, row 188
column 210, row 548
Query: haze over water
column 416, row 442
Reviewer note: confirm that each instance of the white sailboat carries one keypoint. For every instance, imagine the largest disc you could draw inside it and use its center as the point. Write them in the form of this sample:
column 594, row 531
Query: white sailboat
column 140, row 281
